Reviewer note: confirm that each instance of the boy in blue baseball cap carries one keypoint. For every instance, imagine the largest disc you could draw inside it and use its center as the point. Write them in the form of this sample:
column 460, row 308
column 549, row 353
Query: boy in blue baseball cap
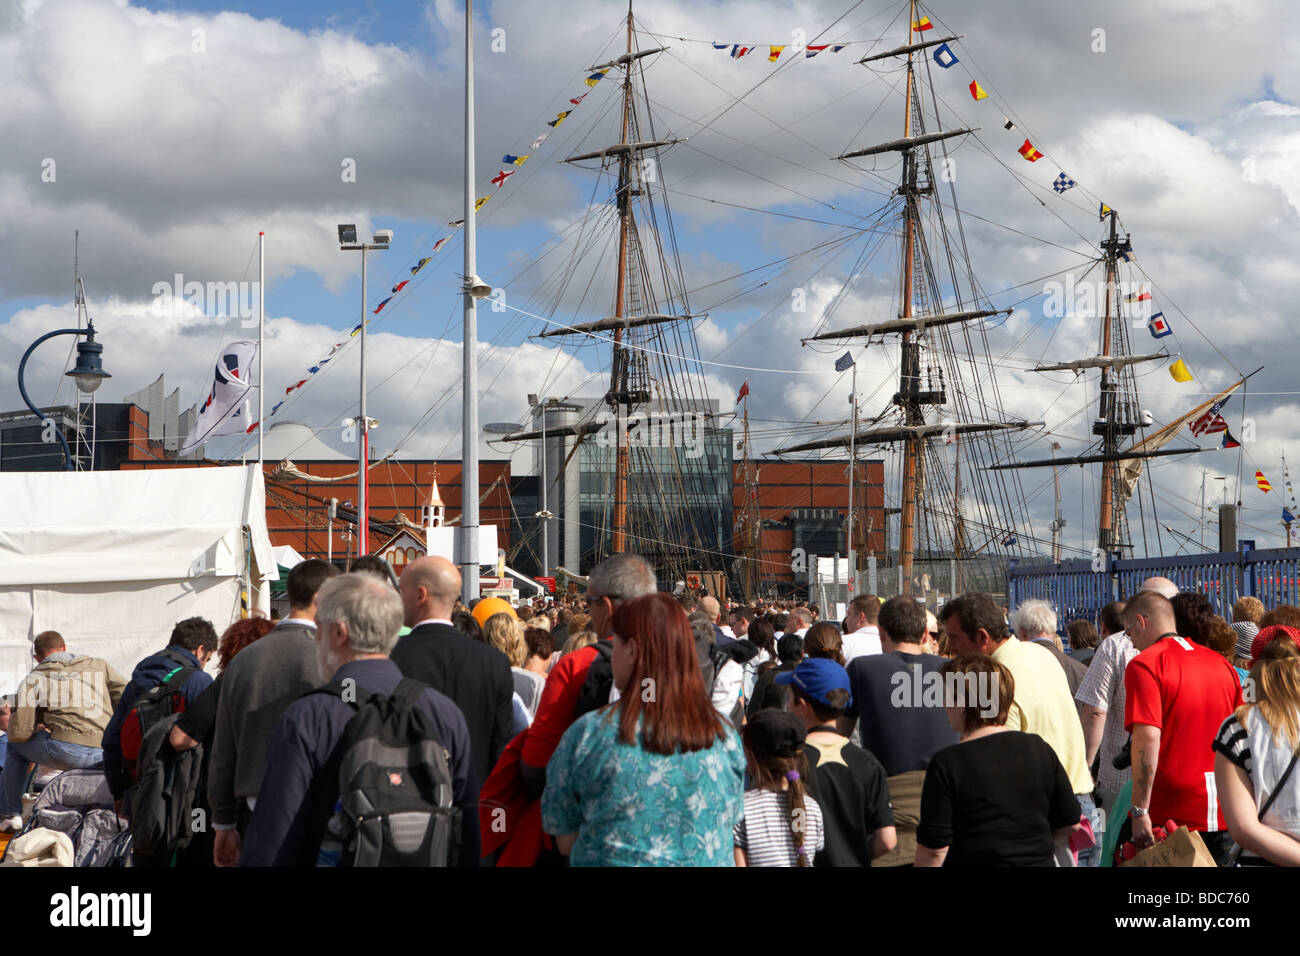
column 847, row 782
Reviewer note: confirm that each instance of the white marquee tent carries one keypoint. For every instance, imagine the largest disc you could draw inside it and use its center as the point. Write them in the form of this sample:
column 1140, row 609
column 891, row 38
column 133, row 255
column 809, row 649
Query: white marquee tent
column 112, row 560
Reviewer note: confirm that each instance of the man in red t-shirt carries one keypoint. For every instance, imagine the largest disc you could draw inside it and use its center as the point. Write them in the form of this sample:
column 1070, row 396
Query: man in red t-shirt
column 619, row 578
column 1177, row 694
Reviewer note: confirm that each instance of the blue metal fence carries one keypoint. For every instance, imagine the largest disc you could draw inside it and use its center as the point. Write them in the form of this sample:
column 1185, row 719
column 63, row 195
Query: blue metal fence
column 1075, row 589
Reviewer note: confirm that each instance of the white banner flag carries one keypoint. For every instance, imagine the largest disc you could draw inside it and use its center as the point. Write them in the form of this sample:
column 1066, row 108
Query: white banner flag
column 224, row 410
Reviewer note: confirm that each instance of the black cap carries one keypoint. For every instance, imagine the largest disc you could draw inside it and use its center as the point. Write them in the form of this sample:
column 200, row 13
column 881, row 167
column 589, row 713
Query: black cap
column 774, row 733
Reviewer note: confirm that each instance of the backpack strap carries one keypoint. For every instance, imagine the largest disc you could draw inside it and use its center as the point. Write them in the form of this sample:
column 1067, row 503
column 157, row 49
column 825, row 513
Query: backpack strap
column 407, row 692
column 171, row 655
column 1277, row 788
column 338, row 689
column 177, row 676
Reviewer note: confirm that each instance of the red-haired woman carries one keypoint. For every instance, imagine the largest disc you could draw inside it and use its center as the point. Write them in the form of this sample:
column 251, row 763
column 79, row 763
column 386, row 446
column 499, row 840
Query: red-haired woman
column 657, row 777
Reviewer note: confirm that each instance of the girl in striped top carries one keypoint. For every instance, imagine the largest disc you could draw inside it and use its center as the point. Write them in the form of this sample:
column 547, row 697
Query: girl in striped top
column 782, row 825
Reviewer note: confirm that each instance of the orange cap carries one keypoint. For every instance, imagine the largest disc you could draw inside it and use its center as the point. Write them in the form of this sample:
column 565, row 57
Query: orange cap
column 485, row 608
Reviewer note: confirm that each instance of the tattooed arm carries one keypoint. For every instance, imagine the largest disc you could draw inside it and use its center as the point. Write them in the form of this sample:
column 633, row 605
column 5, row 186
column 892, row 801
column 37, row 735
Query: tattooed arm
column 1146, row 755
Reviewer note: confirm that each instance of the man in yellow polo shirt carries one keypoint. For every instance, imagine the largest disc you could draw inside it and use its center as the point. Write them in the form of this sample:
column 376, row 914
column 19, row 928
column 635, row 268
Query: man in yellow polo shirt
column 1043, row 704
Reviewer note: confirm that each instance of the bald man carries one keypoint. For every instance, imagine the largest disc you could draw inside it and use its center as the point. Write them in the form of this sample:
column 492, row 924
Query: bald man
column 476, row 676
column 1162, row 586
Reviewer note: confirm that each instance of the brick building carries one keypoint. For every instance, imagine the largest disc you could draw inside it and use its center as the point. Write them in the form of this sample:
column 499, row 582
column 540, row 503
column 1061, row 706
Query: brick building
column 805, row 505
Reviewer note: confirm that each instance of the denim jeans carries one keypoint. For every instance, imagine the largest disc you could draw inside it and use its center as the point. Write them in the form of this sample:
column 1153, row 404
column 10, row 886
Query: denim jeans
column 1091, row 856
column 40, row 749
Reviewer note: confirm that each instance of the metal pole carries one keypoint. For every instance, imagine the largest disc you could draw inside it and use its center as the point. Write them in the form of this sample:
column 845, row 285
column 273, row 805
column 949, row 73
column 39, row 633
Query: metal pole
column 469, row 586
column 546, row 541
column 363, row 510
column 261, row 341
column 22, row 390
column 853, row 429
column 333, row 510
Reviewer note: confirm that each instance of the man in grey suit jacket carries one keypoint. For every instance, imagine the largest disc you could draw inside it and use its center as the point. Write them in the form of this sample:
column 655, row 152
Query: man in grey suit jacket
column 260, row 683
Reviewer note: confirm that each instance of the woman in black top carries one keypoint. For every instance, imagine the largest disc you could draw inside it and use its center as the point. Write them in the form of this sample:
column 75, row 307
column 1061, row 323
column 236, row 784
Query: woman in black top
column 999, row 797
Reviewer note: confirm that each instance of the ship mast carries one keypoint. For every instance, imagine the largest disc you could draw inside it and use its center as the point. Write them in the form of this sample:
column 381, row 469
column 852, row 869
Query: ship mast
column 618, row 397
column 910, row 377
column 913, row 433
column 1112, row 423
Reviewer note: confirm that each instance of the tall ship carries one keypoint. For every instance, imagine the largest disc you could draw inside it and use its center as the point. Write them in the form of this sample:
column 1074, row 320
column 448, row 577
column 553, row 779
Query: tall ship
column 945, row 357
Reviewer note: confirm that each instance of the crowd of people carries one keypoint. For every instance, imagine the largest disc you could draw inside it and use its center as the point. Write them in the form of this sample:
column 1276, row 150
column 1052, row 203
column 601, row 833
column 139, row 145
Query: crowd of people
column 382, row 722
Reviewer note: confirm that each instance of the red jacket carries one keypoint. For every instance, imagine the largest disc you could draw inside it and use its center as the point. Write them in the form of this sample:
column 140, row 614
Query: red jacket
column 508, row 820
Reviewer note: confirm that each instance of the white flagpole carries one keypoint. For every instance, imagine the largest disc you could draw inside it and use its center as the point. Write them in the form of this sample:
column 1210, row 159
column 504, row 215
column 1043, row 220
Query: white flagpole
column 469, row 556
column 261, row 344
column 853, row 435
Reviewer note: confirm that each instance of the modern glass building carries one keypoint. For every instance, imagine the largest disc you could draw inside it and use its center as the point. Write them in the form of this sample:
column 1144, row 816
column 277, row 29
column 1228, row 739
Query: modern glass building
column 679, row 513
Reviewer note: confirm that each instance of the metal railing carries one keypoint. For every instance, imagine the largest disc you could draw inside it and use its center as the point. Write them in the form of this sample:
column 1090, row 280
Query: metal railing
column 1082, row 588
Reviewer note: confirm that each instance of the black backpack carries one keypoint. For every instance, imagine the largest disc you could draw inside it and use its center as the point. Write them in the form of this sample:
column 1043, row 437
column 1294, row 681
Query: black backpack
column 395, row 786
column 157, row 703
column 164, row 796
column 595, row 690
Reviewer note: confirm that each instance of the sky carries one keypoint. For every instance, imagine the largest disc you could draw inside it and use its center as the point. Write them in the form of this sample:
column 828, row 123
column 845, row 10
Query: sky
column 169, row 134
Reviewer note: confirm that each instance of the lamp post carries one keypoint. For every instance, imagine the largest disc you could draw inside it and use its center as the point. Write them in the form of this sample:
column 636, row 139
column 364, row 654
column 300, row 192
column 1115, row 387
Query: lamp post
column 538, row 407
column 348, row 242
column 88, row 374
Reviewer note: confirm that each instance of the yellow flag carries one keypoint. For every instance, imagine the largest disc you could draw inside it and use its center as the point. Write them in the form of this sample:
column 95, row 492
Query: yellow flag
column 479, row 203
column 773, row 53
column 1180, row 371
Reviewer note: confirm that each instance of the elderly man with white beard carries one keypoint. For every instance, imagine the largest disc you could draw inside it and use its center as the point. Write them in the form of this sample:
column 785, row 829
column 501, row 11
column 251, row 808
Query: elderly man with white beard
column 358, row 618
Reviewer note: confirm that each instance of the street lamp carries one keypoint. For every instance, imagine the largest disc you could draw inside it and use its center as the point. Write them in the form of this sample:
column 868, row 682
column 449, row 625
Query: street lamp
column 348, row 242
column 88, row 374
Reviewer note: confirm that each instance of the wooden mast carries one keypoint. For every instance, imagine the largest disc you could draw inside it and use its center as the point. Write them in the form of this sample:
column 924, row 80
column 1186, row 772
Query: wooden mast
column 911, row 447
column 1108, row 419
column 619, row 390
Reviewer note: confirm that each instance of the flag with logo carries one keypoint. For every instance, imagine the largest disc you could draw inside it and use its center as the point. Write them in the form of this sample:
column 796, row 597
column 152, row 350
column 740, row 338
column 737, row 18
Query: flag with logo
column 223, row 411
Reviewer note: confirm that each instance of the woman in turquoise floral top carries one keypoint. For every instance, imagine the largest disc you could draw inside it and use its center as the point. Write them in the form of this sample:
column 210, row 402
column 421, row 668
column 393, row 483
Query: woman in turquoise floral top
column 657, row 777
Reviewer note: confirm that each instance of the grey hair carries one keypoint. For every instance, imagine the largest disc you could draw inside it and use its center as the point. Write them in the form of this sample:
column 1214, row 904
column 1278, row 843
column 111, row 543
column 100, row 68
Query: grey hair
column 371, row 609
column 622, row 577
column 1035, row 617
